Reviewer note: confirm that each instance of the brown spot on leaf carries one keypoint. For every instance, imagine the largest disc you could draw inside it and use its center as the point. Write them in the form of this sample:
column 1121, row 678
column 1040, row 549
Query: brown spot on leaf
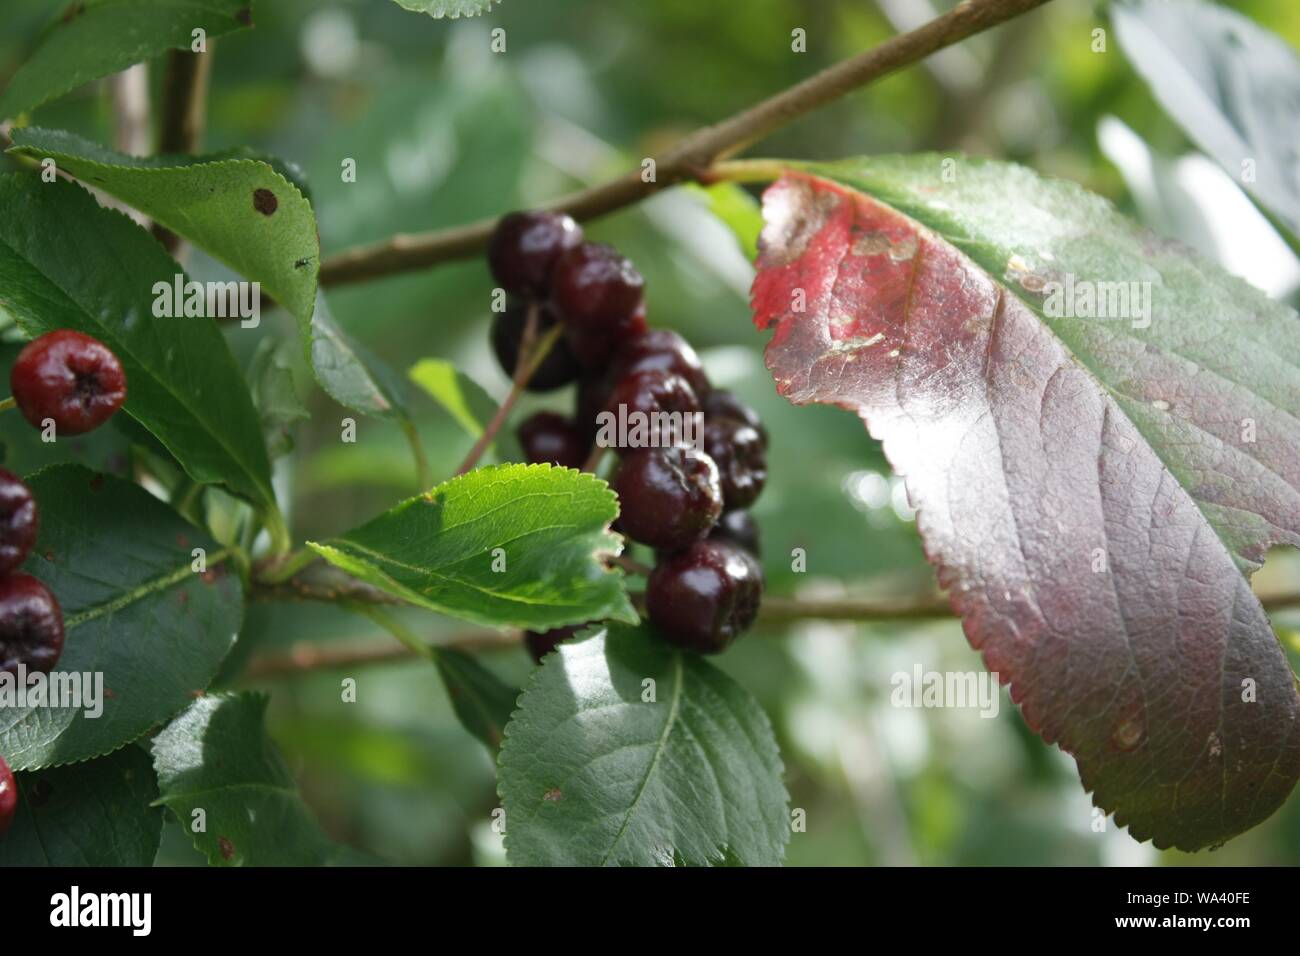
column 227, row 848
column 73, row 11
column 554, row 795
column 97, row 482
column 264, row 201
column 245, row 16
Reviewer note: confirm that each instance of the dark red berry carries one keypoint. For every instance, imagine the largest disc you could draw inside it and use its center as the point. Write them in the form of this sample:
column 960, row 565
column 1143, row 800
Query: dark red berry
column 598, row 294
column 740, row 528
column 8, row 797
column 593, row 395
column 641, row 401
column 71, row 378
column 31, row 625
column 525, row 247
column 17, row 521
column 558, row 369
column 704, row 597
column 547, row 436
column 720, row 404
column 541, row 643
column 662, row 350
column 668, row 497
column 738, row 451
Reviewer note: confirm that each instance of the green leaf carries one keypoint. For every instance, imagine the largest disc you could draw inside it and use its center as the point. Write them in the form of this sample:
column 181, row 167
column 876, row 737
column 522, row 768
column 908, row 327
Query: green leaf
column 98, row 813
column 482, row 701
column 217, row 757
column 93, row 38
column 593, row 773
column 544, row 528
column 1232, row 85
column 349, row 374
column 462, row 397
column 275, row 393
column 67, row 262
column 447, row 8
column 240, row 211
column 738, row 211
column 120, row 563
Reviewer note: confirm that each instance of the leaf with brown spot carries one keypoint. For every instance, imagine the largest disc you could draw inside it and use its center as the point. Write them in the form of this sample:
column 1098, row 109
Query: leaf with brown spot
column 1087, row 487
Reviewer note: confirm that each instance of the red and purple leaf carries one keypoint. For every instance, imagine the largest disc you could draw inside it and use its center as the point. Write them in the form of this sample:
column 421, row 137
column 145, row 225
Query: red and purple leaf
column 1094, row 491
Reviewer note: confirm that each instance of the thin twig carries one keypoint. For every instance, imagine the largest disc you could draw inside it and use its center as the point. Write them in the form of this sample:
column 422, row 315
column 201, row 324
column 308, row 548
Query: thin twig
column 184, row 113
column 532, row 353
column 691, row 157
column 306, row 657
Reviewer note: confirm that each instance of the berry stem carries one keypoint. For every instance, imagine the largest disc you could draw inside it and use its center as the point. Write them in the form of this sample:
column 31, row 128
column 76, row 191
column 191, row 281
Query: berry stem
column 630, row 565
column 531, row 356
column 595, row 458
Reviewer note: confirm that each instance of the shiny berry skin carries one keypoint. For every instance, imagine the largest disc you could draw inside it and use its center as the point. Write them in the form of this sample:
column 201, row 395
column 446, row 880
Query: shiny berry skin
column 740, row 528
column 739, row 452
column 541, row 643
column 653, row 393
column 547, row 436
column 18, row 520
column 663, row 350
column 669, row 497
column 8, row 797
column 558, row 369
column 720, row 404
column 524, row 248
column 69, row 377
column 703, row 598
column 599, row 296
column 31, row 625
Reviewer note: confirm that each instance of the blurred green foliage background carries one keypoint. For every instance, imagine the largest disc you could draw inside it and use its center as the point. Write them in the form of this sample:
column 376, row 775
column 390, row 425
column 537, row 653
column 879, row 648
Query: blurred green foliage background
column 444, row 131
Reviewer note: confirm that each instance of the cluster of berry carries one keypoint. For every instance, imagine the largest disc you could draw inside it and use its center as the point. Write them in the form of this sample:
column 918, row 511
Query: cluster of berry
column 686, row 502
column 76, row 383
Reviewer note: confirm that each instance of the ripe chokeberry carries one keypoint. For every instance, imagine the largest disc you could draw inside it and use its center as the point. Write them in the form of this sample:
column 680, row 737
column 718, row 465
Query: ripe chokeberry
column 740, row 528
column 720, row 404
column 738, row 451
column 558, row 369
column 669, row 497
column 541, row 643
column 8, row 797
column 599, row 296
column 648, row 395
column 663, row 350
column 525, row 247
column 547, row 436
column 70, row 378
column 18, row 520
column 702, row 598
column 31, row 625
